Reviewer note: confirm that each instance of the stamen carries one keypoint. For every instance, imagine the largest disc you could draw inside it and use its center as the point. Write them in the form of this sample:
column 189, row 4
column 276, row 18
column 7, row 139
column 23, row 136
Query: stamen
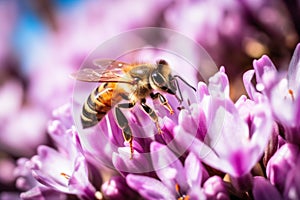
column 66, row 176
column 181, row 196
column 187, row 197
column 177, row 188
column 291, row 92
column 184, row 197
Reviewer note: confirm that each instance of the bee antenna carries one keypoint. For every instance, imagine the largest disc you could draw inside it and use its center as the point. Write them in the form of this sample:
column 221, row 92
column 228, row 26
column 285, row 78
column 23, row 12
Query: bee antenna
column 176, row 76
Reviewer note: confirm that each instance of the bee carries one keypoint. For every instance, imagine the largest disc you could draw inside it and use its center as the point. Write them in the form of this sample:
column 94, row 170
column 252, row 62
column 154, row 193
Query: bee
column 132, row 83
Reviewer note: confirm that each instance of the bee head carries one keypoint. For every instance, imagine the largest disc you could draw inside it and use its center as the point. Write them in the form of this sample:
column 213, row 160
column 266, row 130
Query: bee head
column 161, row 78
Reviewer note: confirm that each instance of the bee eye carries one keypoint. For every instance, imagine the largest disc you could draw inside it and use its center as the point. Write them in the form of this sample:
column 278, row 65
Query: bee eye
column 158, row 79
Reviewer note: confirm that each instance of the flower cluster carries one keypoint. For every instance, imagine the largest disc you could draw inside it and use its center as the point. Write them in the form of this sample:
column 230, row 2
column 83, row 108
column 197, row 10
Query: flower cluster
column 218, row 147
column 32, row 34
column 213, row 149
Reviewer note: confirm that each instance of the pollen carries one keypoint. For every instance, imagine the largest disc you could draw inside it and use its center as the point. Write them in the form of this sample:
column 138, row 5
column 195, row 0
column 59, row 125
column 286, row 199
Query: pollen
column 184, row 197
column 181, row 196
column 66, row 176
column 177, row 187
column 291, row 92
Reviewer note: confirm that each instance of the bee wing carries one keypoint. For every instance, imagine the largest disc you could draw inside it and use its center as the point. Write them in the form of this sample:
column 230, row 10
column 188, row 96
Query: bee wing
column 111, row 64
column 102, row 63
column 100, row 75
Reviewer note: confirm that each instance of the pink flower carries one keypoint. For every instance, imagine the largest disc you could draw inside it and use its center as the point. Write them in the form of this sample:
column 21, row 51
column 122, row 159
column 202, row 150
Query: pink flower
column 175, row 180
column 233, row 140
column 281, row 90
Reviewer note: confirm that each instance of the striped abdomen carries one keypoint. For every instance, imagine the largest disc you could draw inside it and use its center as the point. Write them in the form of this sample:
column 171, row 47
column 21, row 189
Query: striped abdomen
column 97, row 105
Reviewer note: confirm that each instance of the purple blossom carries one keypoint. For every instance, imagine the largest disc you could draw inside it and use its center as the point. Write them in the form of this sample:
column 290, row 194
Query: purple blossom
column 236, row 139
column 244, row 27
column 31, row 187
column 65, row 169
column 23, row 175
column 117, row 188
column 175, row 180
column 263, row 189
column 236, row 133
column 281, row 90
column 42, row 192
column 12, row 111
column 281, row 168
column 292, row 184
column 9, row 196
column 105, row 144
column 214, row 188
column 7, row 167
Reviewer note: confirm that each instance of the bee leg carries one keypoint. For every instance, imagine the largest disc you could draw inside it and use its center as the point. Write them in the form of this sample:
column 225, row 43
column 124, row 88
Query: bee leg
column 151, row 113
column 163, row 101
column 124, row 125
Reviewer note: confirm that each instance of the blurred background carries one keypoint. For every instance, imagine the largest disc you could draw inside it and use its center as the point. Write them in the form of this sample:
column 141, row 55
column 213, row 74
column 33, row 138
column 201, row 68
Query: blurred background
column 43, row 41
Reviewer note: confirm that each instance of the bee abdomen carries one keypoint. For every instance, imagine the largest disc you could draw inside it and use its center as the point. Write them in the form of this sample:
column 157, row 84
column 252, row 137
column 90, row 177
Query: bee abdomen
column 94, row 109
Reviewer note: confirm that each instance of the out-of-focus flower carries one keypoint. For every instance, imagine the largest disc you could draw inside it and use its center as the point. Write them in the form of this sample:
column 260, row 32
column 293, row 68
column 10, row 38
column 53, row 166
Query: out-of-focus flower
column 22, row 173
column 42, row 192
column 263, row 189
column 282, row 165
column 292, row 184
column 8, row 16
column 16, row 126
column 214, row 188
column 282, row 91
column 33, row 189
column 64, row 169
column 117, row 188
column 69, row 175
column 226, row 136
column 236, row 134
column 175, row 180
column 244, row 27
column 7, row 167
column 9, row 196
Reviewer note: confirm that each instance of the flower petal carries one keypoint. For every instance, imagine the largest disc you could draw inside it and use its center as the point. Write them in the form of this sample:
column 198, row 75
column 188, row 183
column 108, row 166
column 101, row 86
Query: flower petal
column 48, row 167
column 219, row 84
column 117, row 188
column 294, row 70
column 41, row 192
column 264, row 190
column 196, row 174
column 200, row 149
column 214, row 188
column 140, row 163
column 167, row 166
column 292, row 184
column 247, row 77
column 202, row 90
column 264, row 71
column 79, row 183
column 281, row 163
column 149, row 188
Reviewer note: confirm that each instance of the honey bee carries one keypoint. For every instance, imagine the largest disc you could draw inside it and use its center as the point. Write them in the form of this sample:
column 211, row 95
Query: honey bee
column 132, row 83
